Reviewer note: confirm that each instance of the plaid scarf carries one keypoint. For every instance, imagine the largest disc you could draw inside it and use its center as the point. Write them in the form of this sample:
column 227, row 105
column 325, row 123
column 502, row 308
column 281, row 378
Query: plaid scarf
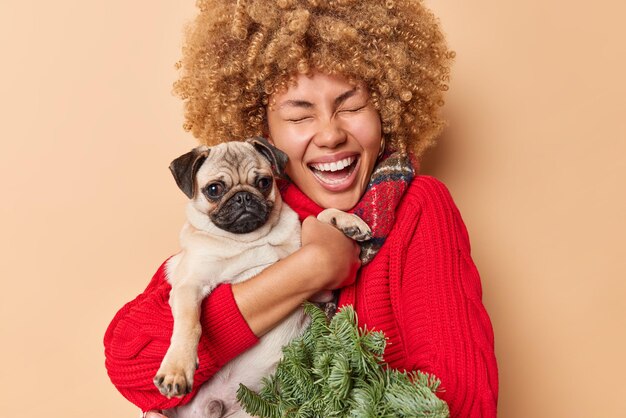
column 377, row 207
column 390, row 179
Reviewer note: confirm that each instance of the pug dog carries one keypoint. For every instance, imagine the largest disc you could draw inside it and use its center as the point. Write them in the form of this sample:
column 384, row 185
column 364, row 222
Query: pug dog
column 237, row 225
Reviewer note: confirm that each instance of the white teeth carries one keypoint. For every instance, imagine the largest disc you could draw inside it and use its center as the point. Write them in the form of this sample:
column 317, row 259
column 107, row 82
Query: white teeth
column 334, row 166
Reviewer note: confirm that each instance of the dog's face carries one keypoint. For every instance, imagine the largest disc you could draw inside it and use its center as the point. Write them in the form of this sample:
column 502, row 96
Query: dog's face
column 232, row 183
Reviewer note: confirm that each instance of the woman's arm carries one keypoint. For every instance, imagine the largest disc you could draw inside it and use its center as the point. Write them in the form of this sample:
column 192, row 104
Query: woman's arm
column 139, row 335
column 327, row 260
column 232, row 316
column 446, row 326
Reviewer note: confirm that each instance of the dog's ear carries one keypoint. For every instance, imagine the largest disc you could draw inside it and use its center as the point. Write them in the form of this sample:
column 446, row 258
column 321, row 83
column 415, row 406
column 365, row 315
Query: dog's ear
column 185, row 167
column 276, row 157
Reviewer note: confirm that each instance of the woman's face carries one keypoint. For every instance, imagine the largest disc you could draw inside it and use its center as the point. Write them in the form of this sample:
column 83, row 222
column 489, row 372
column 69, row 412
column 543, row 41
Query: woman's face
column 332, row 135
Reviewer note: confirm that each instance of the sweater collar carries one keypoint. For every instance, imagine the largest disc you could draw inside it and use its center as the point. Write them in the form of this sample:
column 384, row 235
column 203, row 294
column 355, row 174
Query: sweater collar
column 298, row 201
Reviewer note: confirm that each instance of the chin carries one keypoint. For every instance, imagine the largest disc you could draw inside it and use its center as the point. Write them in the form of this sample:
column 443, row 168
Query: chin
column 343, row 201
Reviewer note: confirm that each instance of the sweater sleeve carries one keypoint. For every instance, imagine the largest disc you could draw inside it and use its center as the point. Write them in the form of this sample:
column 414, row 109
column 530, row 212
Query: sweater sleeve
column 139, row 335
column 446, row 327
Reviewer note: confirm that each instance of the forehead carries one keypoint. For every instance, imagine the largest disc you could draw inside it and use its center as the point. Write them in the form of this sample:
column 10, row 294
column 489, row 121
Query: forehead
column 233, row 161
column 318, row 86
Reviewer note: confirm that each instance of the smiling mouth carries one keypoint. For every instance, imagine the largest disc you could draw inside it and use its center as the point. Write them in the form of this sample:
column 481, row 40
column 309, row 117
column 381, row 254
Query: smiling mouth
column 334, row 173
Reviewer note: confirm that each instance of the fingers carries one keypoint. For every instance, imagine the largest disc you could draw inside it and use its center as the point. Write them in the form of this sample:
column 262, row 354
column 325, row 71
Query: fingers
column 335, row 257
column 314, row 231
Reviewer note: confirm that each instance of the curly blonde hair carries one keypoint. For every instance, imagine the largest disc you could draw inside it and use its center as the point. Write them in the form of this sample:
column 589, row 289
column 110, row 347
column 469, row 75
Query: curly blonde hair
column 238, row 53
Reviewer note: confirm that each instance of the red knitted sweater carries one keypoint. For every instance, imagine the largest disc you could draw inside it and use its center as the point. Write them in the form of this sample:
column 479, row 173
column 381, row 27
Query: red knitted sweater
column 422, row 289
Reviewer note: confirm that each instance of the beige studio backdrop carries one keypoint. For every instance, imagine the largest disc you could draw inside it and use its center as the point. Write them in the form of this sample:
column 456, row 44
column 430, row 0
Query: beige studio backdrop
column 534, row 157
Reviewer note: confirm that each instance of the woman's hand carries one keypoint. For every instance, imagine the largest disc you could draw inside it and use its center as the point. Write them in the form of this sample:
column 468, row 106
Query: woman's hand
column 327, row 260
column 335, row 257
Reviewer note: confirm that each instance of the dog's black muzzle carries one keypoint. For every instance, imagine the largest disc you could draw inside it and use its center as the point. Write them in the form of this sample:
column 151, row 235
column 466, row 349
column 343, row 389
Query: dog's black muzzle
column 242, row 213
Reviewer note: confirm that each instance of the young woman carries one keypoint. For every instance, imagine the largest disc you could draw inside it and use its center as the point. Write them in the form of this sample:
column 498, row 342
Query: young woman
column 350, row 90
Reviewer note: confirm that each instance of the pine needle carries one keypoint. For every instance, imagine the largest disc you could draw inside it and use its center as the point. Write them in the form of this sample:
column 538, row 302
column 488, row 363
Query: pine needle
column 336, row 370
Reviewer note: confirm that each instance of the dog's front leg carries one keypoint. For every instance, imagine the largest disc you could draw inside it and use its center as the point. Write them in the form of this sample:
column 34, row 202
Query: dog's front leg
column 175, row 376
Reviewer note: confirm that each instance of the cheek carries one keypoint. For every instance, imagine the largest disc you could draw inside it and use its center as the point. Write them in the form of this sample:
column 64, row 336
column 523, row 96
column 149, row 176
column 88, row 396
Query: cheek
column 292, row 142
column 295, row 151
column 202, row 204
column 368, row 133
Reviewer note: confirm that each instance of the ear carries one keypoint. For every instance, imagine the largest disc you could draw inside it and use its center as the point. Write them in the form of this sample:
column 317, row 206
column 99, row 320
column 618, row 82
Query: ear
column 185, row 167
column 276, row 157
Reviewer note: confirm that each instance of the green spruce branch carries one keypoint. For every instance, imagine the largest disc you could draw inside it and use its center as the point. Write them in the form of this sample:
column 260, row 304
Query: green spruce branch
column 336, row 370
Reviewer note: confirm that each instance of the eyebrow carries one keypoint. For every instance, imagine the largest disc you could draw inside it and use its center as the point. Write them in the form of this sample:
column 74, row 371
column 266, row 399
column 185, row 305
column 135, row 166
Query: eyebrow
column 297, row 103
column 308, row 105
column 345, row 96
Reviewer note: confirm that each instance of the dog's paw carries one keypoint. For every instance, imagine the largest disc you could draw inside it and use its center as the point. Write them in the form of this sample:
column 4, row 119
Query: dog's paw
column 175, row 376
column 348, row 223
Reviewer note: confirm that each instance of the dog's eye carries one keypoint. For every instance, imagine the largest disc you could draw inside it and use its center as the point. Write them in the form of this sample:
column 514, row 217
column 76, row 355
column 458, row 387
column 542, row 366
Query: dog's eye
column 263, row 183
column 214, row 190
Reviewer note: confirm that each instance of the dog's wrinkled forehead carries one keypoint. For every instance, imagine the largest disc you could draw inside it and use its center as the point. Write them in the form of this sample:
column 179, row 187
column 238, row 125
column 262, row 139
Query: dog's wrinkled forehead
column 234, row 163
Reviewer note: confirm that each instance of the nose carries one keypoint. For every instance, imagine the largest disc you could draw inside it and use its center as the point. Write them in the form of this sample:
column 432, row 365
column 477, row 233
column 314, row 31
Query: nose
column 243, row 198
column 330, row 135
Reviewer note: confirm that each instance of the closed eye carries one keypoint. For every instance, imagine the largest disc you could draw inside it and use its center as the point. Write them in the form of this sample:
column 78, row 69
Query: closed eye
column 352, row 110
column 296, row 120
